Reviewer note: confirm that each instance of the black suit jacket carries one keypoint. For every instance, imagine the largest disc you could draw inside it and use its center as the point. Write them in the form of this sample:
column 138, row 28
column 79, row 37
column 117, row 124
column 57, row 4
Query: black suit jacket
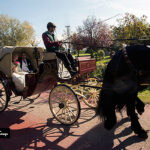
column 30, row 67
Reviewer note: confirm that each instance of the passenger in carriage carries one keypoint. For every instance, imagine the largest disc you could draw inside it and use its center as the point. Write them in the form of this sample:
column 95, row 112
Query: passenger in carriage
column 52, row 45
column 18, row 76
column 25, row 63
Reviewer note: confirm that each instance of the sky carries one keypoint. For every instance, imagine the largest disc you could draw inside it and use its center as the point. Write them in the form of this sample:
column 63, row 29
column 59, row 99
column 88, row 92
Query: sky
column 70, row 12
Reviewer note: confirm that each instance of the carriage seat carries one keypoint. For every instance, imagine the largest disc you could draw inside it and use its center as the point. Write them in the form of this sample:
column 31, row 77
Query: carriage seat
column 49, row 56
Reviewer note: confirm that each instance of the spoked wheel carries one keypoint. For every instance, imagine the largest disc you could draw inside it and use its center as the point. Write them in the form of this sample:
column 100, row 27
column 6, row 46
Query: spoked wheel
column 90, row 96
column 64, row 104
column 4, row 97
column 33, row 97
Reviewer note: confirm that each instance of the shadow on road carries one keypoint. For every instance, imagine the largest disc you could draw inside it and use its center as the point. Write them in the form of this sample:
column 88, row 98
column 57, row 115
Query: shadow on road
column 38, row 136
column 49, row 135
column 100, row 139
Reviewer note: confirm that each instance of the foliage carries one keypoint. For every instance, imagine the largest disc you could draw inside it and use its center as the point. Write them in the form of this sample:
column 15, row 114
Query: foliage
column 99, row 72
column 100, row 68
column 100, row 54
column 131, row 27
column 14, row 33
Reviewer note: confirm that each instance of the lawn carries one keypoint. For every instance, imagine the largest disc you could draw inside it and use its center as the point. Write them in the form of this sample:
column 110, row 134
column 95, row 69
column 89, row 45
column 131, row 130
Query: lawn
column 145, row 95
column 104, row 61
column 85, row 54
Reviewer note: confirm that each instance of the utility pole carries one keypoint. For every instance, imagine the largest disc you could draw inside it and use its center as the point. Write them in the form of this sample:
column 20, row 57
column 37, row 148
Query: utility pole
column 68, row 36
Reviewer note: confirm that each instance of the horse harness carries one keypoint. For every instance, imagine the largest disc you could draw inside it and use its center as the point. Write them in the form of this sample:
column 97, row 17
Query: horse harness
column 137, row 73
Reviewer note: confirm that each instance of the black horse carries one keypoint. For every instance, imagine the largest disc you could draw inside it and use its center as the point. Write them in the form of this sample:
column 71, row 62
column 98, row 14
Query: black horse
column 123, row 78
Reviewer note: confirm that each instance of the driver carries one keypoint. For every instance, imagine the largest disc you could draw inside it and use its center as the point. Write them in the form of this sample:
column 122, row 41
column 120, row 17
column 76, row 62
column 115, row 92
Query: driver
column 52, row 45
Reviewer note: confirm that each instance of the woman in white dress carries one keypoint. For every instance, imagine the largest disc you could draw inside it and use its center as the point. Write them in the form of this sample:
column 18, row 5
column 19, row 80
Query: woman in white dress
column 18, row 76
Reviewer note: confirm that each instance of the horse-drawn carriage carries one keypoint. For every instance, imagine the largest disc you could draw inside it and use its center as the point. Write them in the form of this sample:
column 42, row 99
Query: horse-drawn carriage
column 51, row 75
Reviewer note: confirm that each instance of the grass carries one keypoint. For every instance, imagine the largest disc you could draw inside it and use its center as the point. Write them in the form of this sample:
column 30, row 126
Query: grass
column 105, row 60
column 85, row 54
column 145, row 96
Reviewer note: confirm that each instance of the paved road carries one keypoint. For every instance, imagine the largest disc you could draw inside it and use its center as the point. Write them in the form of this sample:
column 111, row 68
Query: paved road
column 34, row 128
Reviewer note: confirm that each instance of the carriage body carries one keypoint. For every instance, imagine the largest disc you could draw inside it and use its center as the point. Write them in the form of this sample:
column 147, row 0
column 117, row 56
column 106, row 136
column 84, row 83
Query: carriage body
column 46, row 78
column 33, row 83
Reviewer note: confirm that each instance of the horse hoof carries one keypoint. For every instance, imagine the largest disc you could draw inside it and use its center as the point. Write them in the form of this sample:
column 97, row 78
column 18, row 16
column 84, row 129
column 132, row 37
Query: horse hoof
column 143, row 135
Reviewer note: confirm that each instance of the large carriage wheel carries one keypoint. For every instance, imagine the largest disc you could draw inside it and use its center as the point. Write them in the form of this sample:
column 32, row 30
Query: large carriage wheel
column 4, row 97
column 64, row 104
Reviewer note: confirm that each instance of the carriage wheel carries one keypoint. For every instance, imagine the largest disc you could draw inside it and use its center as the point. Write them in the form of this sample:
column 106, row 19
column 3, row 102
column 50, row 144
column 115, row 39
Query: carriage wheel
column 64, row 104
column 33, row 97
column 4, row 98
column 90, row 96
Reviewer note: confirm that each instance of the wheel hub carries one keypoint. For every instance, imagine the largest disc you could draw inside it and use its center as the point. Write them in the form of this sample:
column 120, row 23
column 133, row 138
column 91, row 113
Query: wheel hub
column 61, row 105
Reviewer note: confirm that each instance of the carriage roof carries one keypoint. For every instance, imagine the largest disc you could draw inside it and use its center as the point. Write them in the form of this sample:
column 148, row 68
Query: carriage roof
column 10, row 49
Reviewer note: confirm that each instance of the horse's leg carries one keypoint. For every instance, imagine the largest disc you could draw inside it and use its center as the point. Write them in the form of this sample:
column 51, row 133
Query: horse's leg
column 135, row 125
column 139, row 106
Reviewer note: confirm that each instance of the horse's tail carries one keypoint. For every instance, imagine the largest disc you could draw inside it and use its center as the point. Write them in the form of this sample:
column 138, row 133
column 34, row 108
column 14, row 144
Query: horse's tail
column 106, row 109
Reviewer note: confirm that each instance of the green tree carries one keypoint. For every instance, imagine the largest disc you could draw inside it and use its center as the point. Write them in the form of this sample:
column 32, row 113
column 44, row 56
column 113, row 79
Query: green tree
column 14, row 33
column 131, row 27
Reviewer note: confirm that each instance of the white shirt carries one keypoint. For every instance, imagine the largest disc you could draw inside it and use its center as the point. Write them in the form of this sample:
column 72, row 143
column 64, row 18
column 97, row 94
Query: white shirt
column 25, row 65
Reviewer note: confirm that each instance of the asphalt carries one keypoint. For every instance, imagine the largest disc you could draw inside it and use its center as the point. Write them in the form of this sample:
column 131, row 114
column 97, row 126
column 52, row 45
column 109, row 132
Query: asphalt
column 34, row 128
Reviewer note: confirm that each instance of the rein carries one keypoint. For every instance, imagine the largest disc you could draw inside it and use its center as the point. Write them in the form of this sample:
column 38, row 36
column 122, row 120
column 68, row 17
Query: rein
column 128, row 61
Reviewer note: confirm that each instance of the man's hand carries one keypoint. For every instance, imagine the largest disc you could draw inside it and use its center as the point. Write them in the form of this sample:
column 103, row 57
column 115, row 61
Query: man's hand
column 60, row 43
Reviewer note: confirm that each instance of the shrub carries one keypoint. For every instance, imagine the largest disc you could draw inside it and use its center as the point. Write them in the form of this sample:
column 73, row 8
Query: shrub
column 99, row 72
column 100, row 54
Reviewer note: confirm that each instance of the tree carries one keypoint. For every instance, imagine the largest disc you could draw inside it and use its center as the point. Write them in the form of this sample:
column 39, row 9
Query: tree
column 14, row 33
column 92, row 34
column 131, row 27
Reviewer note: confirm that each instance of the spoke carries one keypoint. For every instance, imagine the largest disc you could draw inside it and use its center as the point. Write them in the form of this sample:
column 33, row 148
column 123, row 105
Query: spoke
column 72, row 107
column 69, row 115
column 58, row 112
column 71, row 111
column 62, row 113
column 2, row 99
column 65, row 116
column 90, row 97
column 71, row 102
column 1, row 102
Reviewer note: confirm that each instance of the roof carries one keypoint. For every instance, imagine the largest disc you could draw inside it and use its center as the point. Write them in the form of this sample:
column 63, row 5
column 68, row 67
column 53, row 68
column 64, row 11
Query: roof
column 10, row 49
